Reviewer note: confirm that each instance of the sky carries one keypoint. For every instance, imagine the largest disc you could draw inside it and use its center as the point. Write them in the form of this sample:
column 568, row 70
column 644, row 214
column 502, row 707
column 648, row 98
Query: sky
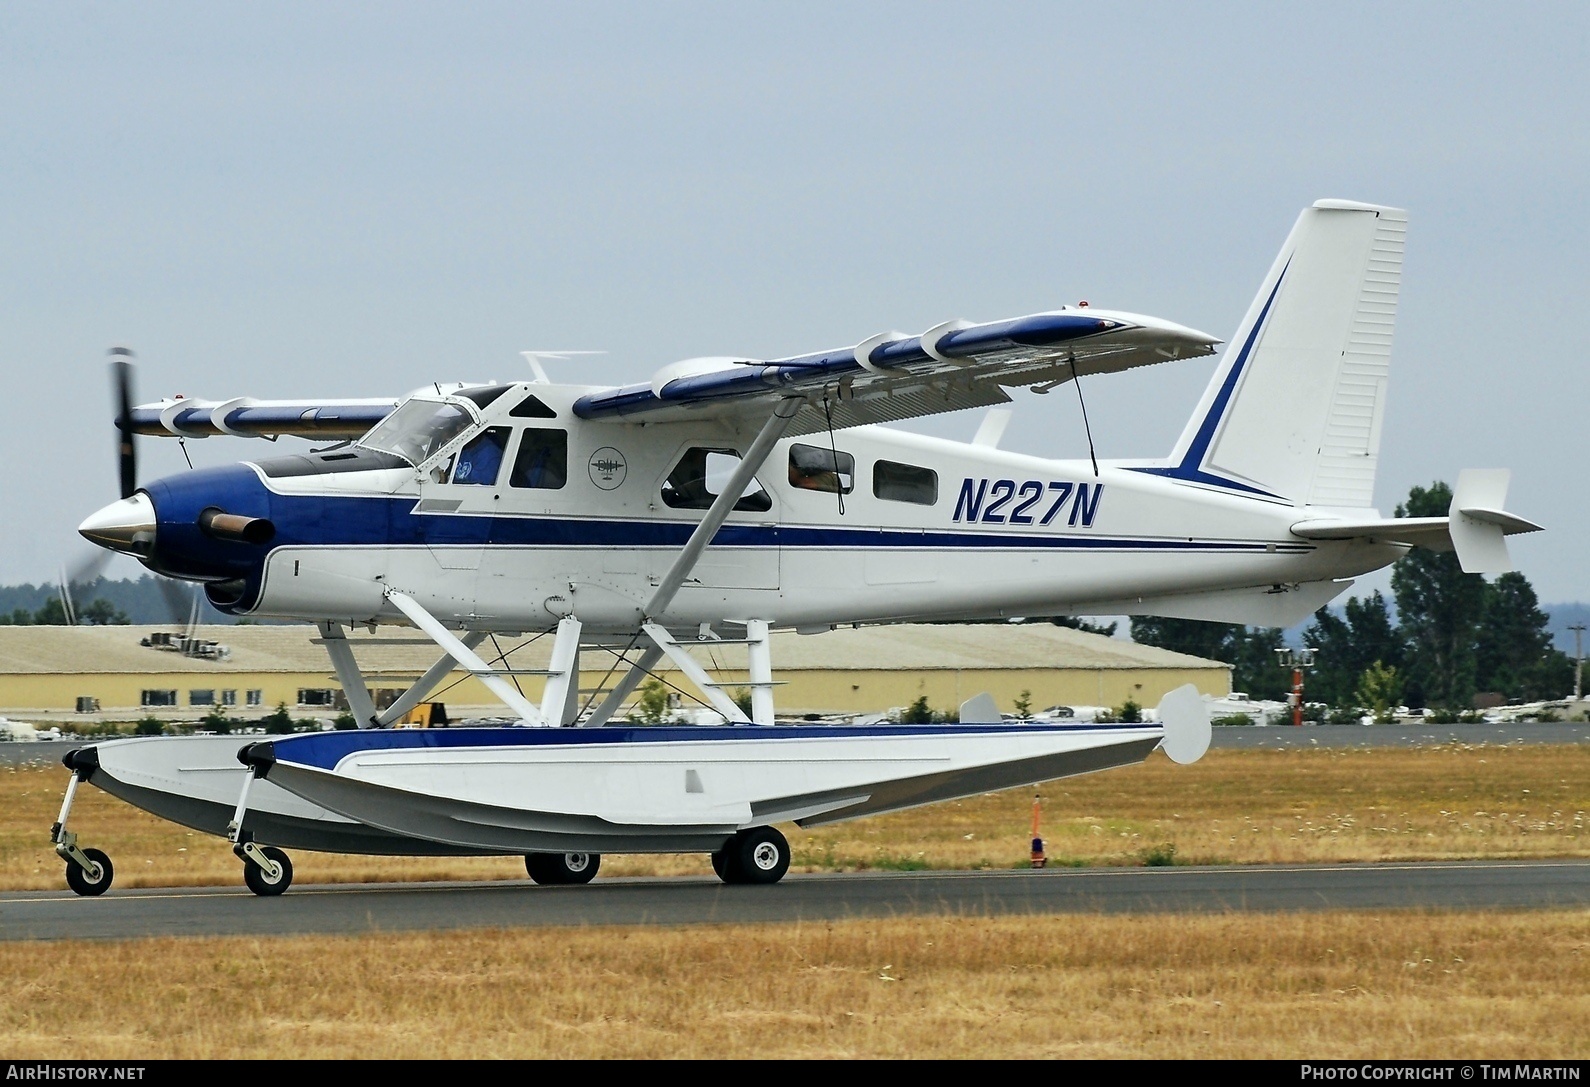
column 355, row 200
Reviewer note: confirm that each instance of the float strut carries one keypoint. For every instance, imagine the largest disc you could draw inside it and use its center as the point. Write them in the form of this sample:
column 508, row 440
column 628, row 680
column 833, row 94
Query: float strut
column 243, row 844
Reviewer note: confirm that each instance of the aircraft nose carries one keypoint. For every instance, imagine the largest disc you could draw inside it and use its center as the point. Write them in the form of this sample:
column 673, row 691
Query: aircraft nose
column 127, row 526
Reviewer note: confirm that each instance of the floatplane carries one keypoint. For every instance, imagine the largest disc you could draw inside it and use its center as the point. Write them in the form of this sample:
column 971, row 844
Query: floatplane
column 729, row 497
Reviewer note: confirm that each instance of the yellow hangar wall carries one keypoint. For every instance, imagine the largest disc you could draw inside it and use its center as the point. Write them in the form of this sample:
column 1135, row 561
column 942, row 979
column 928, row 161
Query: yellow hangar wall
column 856, row 691
column 868, row 670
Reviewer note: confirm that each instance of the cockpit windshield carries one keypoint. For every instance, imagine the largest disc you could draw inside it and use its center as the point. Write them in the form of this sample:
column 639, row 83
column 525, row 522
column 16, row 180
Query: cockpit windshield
column 419, row 428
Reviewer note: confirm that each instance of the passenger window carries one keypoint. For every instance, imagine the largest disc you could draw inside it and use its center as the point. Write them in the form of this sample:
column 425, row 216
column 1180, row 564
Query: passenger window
column 701, row 475
column 480, row 461
column 532, row 407
column 895, row 482
column 813, row 468
column 543, row 460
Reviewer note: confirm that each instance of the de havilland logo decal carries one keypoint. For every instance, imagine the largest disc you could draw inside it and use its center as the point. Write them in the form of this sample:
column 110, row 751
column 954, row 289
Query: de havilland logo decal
column 608, row 468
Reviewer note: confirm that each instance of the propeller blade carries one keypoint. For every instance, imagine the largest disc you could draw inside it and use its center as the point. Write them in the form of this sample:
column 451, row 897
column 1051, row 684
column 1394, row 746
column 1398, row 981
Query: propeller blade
column 89, row 568
column 179, row 600
column 121, row 381
column 66, row 600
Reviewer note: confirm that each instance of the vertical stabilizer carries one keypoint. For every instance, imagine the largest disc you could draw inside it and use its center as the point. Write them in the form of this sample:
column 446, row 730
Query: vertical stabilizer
column 1294, row 409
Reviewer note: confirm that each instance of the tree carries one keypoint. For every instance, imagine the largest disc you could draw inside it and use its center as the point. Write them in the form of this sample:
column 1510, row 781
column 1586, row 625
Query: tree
column 101, row 613
column 217, row 722
column 52, row 614
column 1380, row 689
column 651, row 706
column 1439, row 609
column 279, row 721
column 1023, row 704
column 1514, row 653
column 1249, row 650
column 1347, row 645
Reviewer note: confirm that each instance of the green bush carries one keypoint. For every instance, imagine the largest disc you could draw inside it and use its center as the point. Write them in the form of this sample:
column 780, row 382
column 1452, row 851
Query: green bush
column 651, row 705
column 150, row 726
column 1129, row 712
column 279, row 722
column 1159, row 856
column 1232, row 719
column 217, row 722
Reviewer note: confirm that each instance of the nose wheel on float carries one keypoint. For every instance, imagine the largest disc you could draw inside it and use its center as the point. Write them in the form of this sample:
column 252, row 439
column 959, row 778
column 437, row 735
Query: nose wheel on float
column 266, row 870
column 88, row 871
column 754, row 855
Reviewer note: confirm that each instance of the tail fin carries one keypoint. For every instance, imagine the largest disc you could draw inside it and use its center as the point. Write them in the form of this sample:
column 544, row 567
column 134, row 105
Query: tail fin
column 1294, row 409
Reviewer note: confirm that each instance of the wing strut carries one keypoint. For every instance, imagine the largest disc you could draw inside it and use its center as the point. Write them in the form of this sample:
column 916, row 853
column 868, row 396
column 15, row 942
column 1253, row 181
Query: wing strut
column 427, row 683
column 491, row 677
column 348, row 674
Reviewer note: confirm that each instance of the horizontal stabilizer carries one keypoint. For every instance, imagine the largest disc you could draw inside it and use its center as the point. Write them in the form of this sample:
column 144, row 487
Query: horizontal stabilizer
column 1479, row 527
column 1475, row 527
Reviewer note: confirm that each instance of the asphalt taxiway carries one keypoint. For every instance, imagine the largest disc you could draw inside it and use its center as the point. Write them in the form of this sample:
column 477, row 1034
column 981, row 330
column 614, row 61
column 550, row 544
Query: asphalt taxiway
column 365, row 908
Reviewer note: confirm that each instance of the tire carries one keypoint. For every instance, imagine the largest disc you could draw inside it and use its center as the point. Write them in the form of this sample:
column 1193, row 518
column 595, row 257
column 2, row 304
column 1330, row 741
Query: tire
column 80, row 881
column 259, row 883
column 559, row 869
column 758, row 855
column 720, row 864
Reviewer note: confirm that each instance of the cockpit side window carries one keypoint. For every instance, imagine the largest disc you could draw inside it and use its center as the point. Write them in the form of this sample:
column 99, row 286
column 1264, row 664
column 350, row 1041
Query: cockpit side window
column 543, row 460
column 418, row 428
column 484, row 395
column 532, row 407
column 814, row 468
column 700, row 477
column 480, row 462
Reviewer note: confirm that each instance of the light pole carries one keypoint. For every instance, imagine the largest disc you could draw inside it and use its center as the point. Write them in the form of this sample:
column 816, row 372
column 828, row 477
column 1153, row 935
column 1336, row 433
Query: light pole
column 1297, row 660
column 1578, row 662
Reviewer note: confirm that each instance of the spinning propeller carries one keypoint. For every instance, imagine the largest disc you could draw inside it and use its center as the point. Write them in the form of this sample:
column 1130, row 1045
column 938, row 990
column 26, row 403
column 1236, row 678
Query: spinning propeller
column 181, row 601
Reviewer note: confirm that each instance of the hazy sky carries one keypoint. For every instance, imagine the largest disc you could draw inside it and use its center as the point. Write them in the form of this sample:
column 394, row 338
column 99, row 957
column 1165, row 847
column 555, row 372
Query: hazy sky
column 347, row 200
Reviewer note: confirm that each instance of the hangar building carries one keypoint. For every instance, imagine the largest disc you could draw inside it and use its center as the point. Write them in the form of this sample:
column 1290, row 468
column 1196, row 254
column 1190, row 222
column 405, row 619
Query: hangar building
column 58, row 674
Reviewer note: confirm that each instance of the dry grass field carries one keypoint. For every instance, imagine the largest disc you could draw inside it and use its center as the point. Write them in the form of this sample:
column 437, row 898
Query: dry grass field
column 1398, row 985
column 1233, row 807
column 1393, row 984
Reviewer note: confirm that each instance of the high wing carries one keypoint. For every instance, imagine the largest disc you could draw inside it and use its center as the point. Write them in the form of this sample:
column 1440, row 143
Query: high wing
column 246, row 417
column 885, row 378
column 896, row 376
